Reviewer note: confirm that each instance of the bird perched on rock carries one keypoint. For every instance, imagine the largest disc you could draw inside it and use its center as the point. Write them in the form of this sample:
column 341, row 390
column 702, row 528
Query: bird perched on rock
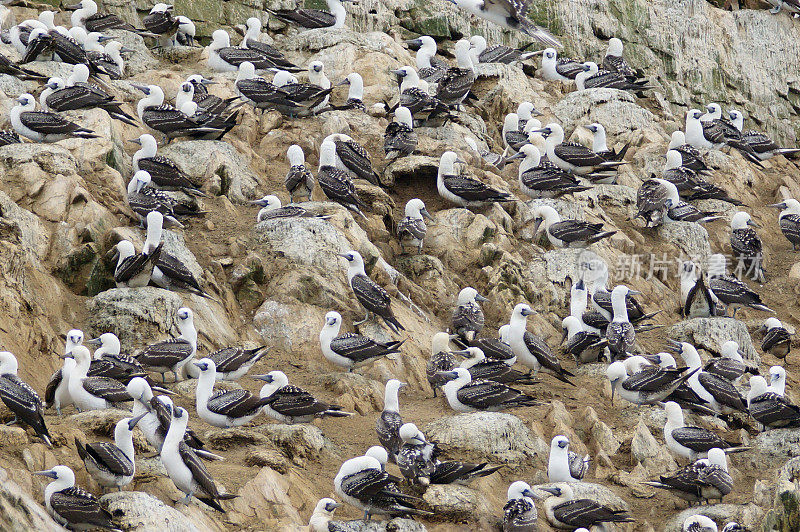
column 371, row 295
column 789, row 220
column 777, row 340
column 43, row 126
column 729, row 290
column 72, row 506
column 457, row 81
column 465, row 395
column 519, row 512
column 565, row 465
column 467, row 319
column 289, row 404
column 161, row 22
column 334, row 182
column 704, row 479
column 746, row 245
column 411, row 230
column 564, row 510
column 299, row 179
column 351, row 350
column 112, row 464
column 532, row 351
column 314, row 18
column 567, row 233
column 400, row 139
column 20, row 398
column 462, row 190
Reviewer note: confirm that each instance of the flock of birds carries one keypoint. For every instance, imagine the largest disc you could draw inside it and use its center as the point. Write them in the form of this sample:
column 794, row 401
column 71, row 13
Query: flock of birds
column 602, row 324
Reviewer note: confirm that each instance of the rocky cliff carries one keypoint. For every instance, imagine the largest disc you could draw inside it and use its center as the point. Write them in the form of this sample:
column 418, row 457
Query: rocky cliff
column 62, row 208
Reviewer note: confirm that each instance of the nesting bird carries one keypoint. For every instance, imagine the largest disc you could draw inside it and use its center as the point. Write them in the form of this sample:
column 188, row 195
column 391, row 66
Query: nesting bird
column 351, row 350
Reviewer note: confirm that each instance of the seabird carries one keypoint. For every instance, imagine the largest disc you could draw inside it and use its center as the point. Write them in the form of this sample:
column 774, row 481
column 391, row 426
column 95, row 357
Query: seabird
column 531, row 351
column 299, row 179
column 496, row 348
column 513, row 137
column 165, row 119
column 112, row 465
column 585, row 346
column 88, row 392
column 185, row 468
column 704, row 479
column 690, row 156
column 362, row 483
column 746, row 245
column 467, row 318
column 322, row 516
column 497, row 160
column 730, row 365
column 144, row 199
column 290, row 404
column 701, row 523
column 729, row 290
column 274, row 57
column 649, row 385
column 457, row 81
column 371, row 296
column 310, row 97
column 20, row 398
column 689, row 183
column 465, row 395
column 777, row 380
column 199, row 94
column 557, row 68
column 441, row 361
column 601, row 297
column 463, row 190
column 600, row 143
column 355, row 93
column 8, row 136
column 512, row 14
column 733, row 527
column 770, row 409
column 777, row 340
column 335, row 183
column 161, row 22
column 389, row 422
column 414, row 97
column 222, row 57
column 108, row 60
column 620, row 333
column 232, row 363
column 652, row 200
column 411, row 230
column 12, row 69
column 217, row 125
column 497, row 53
column 428, row 67
column 565, row 465
column 764, row 147
column 563, row 510
column 696, row 299
column 687, row 442
column 163, row 171
column 353, row 158
column 43, row 126
column 712, row 132
column 351, row 350
column 314, row 18
column 108, row 361
column 271, row 209
column 85, row 15
column 594, row 78
column 173, row 353
column 579, row 298
column 400, row 139
column 133, row 270
column 40, row 46
column 789, row 220
column 570, row 156
column 567, row 233
column 72, row 506
column 414, row 457
column 224, row 409
column 615, row 62
column 526, row 113
column 265, row 95
column 539, row 178
column 57, row 392
column 519, row 512
column 481, row 368
column 186, row 32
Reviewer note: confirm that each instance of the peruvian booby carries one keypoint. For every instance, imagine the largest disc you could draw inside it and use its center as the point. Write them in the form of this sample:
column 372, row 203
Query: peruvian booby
column 165, row 119
column 85, row 14
column 730, row 365
column 161, row 22
column 400, row 139
column 429, row 68
column 20, row 398
column 72, row 506
column 144, row 199
column 322, row 516
column 43, row 126
column 414, row 97
column 712, row 132
column 411, row 230
column 685, row 212
column 263, row 94
column 615, row 62
column 314, row 18
column 299, row 179
column 12, row 69
column 539, row 178
column 163, row 171
column 415, row 457
column 91, row 393
column 353, row 158
column 336, row 183
column 600, row 143
column 563, row 510
column 40, row 46
column 601, row 297
column 747, row 247
column 701, row 523
column 513, row 137
column 511, row 14
column 649, row 385
column 777, row 340
column 729, row 290
column 704, row 479
column 224, row 409
column 687, row 442
column 274, row 57
column 216, row 125
column 689, row 183
column 690, row 156
column 112, row 465
column 572, row 157
column 109, row 59
column 496, row 348
column 173, row 353
column 271, row 209
column 579, row 299
column 557, row 68
column 764, row 147
column 109, row 361
column 777, row 380
column 585, row 346
column 564, row 465
column 482, row 368
column 57, row 392
column 519, row 512
column 441, row 361
column 290, row 404
column 389, row 421
column 232, row 363
column 620, row 332
column 371, row 295
column 497, row 53
column 355, row 93
column 133, row 270
column 467, row 319
column 594, row 78
column 652, row 200
column 351, row 350
column 362, row 483
column 200, row 95
column 465, row 395
column 185, row 468
column 567, row 233
column 498, row 160
column 770, row 409
column 462, row 190
column 526, row 112
column 789, row 220
column 310, row 97
column 531, row 351
column 457, row 81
